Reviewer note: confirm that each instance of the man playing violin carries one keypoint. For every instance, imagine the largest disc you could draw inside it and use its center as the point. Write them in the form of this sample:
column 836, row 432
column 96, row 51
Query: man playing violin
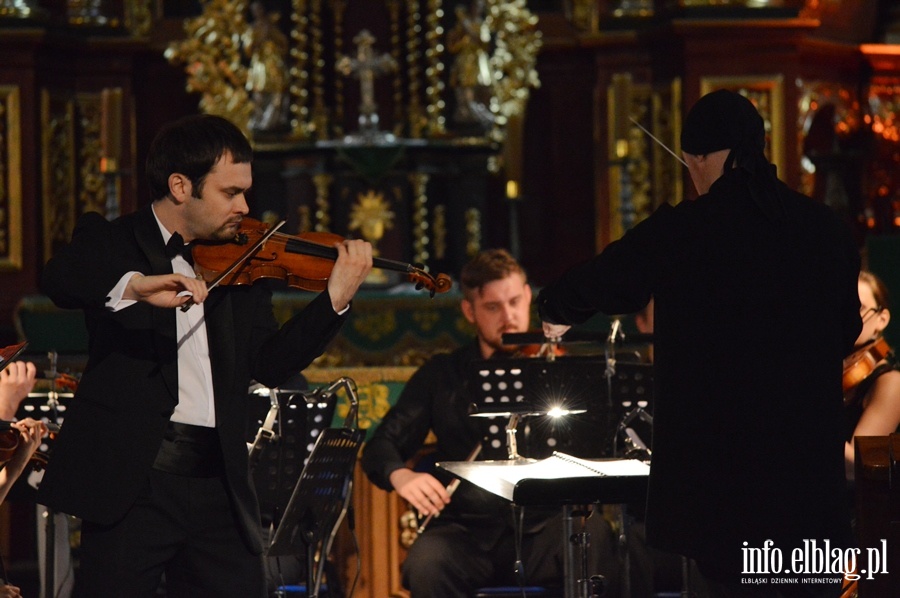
column 472, row 543
column 152, row 456
column 873, row 404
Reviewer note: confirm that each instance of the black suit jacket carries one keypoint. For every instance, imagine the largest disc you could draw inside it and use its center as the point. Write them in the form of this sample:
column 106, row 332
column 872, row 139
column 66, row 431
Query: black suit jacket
column 753, row 319
column 129, row 388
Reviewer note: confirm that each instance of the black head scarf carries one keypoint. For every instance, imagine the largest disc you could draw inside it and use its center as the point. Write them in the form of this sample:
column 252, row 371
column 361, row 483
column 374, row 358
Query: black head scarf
column 723, row 120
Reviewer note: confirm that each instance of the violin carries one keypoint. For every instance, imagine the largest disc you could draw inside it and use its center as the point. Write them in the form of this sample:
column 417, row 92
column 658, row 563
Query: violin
column 9, row 443
column 862, row 362
column 547, row 350
column 303, row 261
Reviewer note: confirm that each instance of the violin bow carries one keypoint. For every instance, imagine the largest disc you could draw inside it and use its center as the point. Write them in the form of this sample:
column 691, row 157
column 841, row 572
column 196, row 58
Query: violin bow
column 238, row 262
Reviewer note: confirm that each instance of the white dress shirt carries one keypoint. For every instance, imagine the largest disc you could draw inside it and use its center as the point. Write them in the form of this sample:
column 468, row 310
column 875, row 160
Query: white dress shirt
column 195, row 389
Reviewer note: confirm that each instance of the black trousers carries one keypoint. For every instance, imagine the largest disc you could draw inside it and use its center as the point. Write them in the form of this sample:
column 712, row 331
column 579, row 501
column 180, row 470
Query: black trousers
column 182, row 526
column 452, row 559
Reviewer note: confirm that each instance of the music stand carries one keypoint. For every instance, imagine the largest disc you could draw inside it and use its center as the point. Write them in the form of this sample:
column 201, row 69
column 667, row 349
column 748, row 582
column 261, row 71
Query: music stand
column 322, row 495
column 595, row 393
column 559, row 480
column 295, row 427
column 574, row 387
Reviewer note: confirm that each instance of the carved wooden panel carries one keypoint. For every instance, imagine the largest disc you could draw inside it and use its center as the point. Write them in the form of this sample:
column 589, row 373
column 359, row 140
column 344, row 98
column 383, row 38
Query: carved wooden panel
column 10, row 179
column 58, row 168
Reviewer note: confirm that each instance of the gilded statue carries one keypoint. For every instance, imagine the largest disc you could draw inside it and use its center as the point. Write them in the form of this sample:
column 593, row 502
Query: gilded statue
column 470, row 74
column 266, row 46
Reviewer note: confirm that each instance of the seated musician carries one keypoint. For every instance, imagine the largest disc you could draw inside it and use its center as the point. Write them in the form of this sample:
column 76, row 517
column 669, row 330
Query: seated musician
column 16, row 381
column 473, row 542
column 873, row 405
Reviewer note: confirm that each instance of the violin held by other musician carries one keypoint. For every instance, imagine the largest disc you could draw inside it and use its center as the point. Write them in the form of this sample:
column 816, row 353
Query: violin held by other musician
column 871, row 372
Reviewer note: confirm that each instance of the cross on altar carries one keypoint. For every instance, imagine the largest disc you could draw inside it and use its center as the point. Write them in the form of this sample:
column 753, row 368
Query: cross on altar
column 366, row 66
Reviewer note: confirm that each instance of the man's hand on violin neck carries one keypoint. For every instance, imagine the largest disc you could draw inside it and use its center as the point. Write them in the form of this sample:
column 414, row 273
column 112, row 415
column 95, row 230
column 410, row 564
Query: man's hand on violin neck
column 166, row 290
column 353, row 264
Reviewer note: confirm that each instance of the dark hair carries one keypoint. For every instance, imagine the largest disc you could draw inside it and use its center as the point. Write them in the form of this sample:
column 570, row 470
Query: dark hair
column 879, row 290
column 488, row 266
column 191, row 146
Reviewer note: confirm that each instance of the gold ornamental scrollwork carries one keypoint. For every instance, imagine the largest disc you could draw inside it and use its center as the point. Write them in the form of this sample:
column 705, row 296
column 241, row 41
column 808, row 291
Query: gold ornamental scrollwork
column 10, row 179
column 214, row 61
column 516, row 45
column 220, row 65
column 58, row 168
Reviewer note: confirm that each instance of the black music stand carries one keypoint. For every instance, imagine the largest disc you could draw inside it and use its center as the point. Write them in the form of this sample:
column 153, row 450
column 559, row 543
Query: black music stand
column 49, row 406
column 322, row 495
column 596, row 395
column 295, row 427
column 574, row 387
column 560, row 480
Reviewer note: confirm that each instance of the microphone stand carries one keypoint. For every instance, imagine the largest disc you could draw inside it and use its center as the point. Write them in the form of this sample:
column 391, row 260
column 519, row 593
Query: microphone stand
column 49, row 514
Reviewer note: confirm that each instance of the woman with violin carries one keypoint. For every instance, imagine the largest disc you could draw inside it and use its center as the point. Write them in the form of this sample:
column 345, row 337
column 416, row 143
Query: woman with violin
column 871, row 372
column 152, row 456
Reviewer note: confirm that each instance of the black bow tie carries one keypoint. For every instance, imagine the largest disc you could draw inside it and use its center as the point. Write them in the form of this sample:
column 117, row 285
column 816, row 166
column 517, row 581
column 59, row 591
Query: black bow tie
column 176, row 246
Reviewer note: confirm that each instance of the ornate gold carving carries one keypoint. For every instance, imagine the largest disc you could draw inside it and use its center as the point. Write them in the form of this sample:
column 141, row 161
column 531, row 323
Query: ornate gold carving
column 10, row 179
column 299, row 76
column 90, row 13
column 439, row 231
column 426, row 319
column 266, row 47
column 375, row 326
column 372, row 388
column 517, row 42
column 92, row 196
column 322, row 182
column 666, row 121
column 371, row 216
column 139, row 17
column 627, row 148
column 304, row 220
column 319, row 111
column 767, row 94
column 58, row 166
column 419, row 183
column 473, row 232
column 339, row 6
column 642, row 175
column 213, row 58
column 393, row 7
column 418, row 120
column 435, row 69
column 216, row 64
column 18, row 9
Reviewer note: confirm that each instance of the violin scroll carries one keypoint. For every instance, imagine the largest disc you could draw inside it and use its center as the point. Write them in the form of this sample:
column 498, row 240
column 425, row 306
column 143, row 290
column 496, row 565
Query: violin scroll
column 422, row 279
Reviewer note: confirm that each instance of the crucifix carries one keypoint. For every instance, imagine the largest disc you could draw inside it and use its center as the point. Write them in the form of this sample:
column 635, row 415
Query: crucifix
column 366, row 66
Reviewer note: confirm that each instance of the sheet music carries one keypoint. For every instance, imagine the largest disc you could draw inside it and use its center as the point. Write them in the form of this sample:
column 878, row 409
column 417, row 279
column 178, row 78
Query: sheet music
column 561, row 465
column 560, row 470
